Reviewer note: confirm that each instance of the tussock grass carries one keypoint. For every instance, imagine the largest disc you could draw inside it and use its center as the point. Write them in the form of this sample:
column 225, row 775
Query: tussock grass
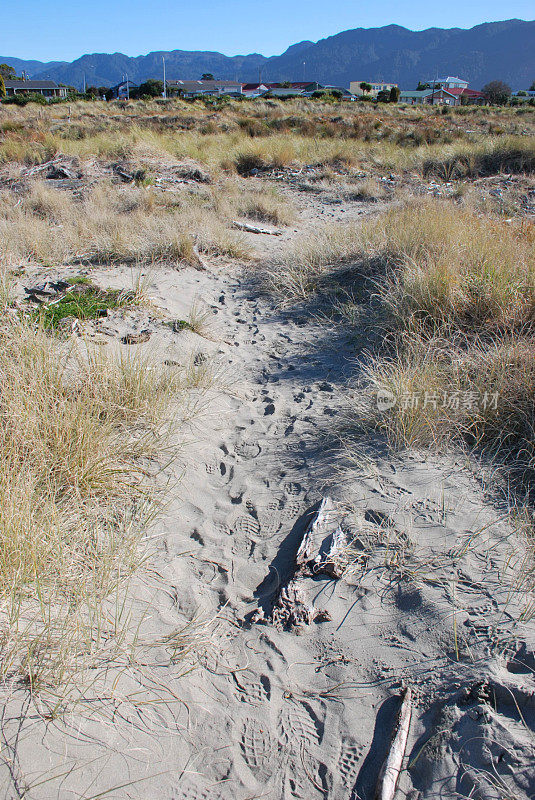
column 299, row 272
column 459, row 299
column 482, row 396
column 367, row 190
column 80, row 428
column 511, row 154
column 450, row 268
column 111, row 224
column 277, row 133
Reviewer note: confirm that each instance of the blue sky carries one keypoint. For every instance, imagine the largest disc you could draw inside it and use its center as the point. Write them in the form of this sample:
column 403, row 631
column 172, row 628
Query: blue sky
column 64, row 30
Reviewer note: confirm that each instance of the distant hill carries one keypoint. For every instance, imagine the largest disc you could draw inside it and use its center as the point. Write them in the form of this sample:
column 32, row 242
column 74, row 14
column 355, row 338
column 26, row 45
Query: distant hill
column 504, row 50
column 31, row 68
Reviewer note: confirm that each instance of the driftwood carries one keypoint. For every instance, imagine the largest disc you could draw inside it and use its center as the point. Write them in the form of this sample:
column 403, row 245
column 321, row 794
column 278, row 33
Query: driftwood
column 290, row 608
column 202, row 264
column 326, row 560
column 60, row 172
column 40, row 294
column 126, row 177
column 245, row 226
column 389, row 775
column 42, row 167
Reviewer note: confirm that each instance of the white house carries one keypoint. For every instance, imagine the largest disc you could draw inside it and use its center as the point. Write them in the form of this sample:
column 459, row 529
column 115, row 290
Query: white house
column 448, row 83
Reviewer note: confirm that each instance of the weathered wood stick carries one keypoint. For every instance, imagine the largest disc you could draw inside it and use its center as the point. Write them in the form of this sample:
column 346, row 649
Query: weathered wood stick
column 389, row 775
column 325, row 561
column 244, row 226
column 290, row 608
column 202, row 263
column 308, row 543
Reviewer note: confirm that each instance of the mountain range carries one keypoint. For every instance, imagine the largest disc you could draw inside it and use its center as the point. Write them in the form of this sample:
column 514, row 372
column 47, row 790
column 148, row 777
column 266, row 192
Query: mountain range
column 494, row 50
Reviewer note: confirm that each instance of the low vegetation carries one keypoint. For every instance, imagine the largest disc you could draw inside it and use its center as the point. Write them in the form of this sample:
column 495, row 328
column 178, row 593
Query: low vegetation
column 73, row 496
column 83, row 301
column 450, row 289
column 460, row 301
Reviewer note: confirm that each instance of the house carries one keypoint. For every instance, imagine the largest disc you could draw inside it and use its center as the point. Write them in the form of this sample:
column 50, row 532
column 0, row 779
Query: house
column 295, row 87
column 468, row 97
column 436, row 97
column 122, row 90
column 253, row 89
column 448, row 83
column 204, row 88
column 283, row 91
column 48, row 89
column 377, row 86
column 414, row 98
column 344, row 93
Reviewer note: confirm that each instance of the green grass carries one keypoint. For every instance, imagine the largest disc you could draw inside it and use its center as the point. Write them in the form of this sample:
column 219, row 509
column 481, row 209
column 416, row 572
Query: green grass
column 84, row 301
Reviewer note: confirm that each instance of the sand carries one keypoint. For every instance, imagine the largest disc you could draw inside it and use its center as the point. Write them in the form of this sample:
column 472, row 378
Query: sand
column 265, row 712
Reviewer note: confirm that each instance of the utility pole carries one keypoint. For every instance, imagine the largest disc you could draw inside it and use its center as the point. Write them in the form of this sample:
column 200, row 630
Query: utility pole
column 434, row 85
column 84, row 83
column 164, row 83
column 127, row 88
column 304, row 65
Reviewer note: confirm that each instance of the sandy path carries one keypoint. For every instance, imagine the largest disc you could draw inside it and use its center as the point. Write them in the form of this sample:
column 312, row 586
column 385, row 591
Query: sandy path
column 270, row 713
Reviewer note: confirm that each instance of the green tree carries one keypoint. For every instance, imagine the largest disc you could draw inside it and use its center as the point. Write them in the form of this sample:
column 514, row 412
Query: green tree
column 3, row 92
column 366, row 87
column 207, row 76
column 395, row 92
column 152, row 87
column 7, row 72
column 532, row 87
column 383, row 96
column 497, row 93
column 422, row 87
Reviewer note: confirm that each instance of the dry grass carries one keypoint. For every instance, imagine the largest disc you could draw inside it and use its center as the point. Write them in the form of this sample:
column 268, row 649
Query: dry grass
column 112, row 224
column 299, row 272
column 459, row 299
column 74, row 495
column 451, row 268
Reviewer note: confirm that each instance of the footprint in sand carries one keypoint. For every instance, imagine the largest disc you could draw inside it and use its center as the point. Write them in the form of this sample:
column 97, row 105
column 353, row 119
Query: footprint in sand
column 251, row 508
column 190, row 791
column 219, row 470
column 258, row 748
column 242, row 548
column 298, row 727
column 252, row 691
column 283, row 427
column 349, row 762
column 291, row 510
column 246, row 526
column 247, row 449
column 270, row 524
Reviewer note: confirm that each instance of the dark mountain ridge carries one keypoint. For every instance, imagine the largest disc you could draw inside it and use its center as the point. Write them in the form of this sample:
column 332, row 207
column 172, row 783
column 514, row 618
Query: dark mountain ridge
column 504, row 50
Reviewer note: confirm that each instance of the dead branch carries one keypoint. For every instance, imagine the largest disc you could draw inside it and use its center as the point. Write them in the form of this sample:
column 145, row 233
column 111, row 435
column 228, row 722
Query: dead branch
column 245, row 226
column 389, row 775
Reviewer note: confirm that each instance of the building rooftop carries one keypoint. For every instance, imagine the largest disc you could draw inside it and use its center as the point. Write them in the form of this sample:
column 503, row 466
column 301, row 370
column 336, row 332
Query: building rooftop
column 203, row 84
column 30, row 84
